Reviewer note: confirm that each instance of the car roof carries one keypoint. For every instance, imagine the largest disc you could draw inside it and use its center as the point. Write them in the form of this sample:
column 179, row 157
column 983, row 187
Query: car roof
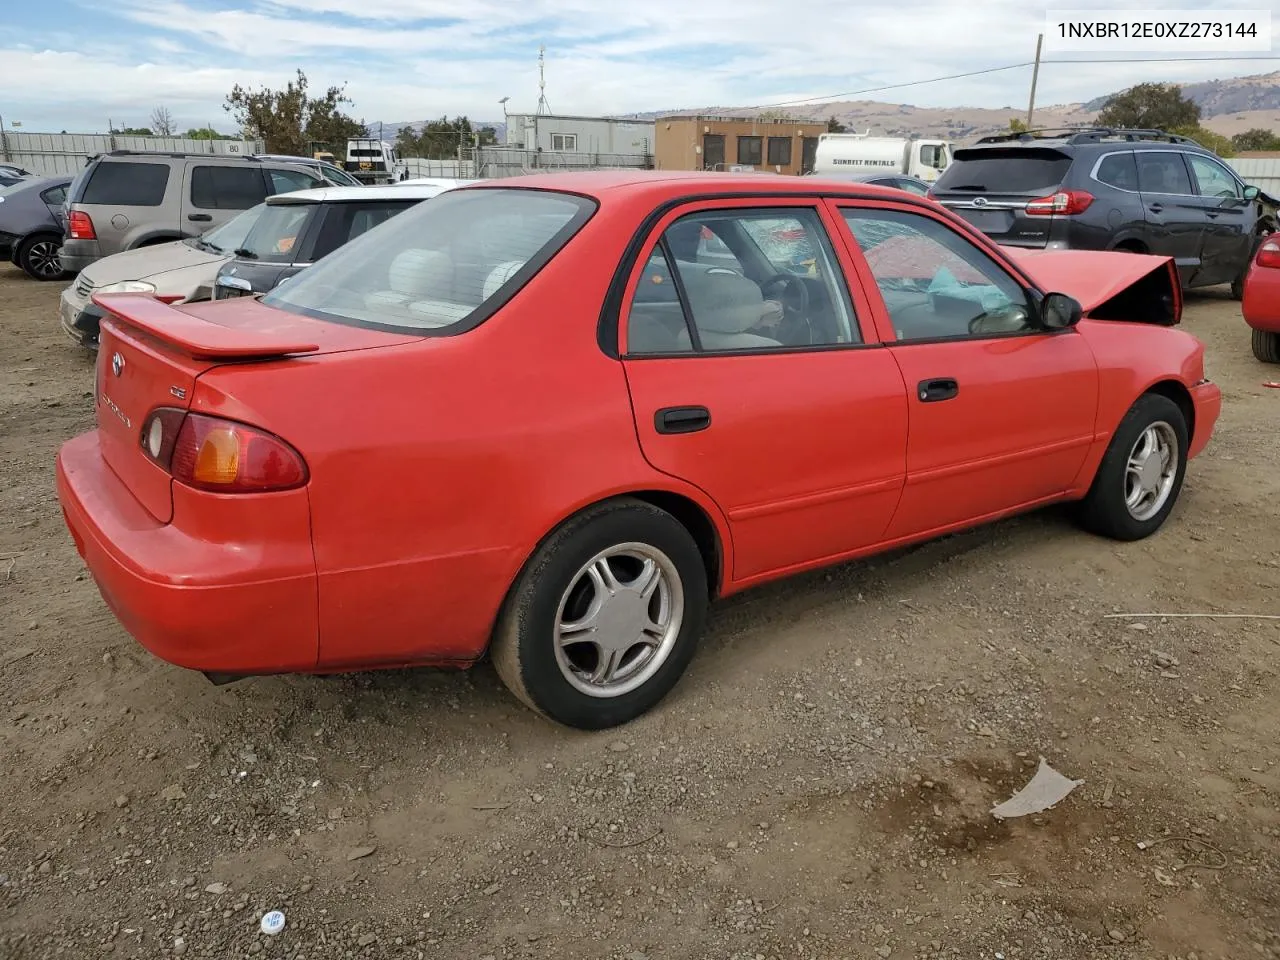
column 40, row 183
column 352, row 194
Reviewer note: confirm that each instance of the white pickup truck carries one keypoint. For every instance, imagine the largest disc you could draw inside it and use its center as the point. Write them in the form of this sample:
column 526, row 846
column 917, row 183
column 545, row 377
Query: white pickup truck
column 859, row 153
column 374, row 161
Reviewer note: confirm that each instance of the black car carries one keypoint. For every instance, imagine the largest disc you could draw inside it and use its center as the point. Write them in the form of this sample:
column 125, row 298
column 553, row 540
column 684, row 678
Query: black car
column 297, row 229
column 1144, row 191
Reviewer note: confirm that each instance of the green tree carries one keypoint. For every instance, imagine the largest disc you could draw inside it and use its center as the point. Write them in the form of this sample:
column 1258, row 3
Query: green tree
column 1256, row 139
column 287, row 119
column 1216, row 142
column 1159, row 106
column 835, row 126
column 206, row 133
column 133, row 132
column 440, row 139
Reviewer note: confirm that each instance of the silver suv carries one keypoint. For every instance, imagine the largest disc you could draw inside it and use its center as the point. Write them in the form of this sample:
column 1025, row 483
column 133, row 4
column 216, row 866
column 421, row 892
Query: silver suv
column 125, row 199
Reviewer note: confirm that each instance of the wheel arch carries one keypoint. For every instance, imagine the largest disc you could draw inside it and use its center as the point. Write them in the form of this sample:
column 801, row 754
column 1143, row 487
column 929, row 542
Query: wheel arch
column 151, row 239
column 1177, row 391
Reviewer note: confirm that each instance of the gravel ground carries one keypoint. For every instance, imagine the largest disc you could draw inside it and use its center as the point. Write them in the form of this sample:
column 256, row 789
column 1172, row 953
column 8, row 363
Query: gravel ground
column 818, row 786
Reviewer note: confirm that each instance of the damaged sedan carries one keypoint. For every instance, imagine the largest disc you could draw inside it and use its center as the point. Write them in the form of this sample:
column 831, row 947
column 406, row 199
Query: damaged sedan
column 551, row 418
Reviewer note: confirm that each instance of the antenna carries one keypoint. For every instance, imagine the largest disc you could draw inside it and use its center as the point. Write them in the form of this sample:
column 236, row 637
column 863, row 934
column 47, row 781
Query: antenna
column 544, row 108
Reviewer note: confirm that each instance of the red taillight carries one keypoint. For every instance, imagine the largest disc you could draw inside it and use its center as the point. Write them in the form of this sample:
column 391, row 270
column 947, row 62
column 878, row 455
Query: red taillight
column 1269, row 253
column 223, row 456
column 80, row 227
column 1064, row 203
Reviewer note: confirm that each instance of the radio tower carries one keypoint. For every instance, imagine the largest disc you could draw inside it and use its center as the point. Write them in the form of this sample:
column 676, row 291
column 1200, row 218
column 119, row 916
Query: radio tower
column 544, row 108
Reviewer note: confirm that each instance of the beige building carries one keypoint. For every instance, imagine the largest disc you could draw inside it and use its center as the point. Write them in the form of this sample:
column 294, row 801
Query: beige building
column 735, row 143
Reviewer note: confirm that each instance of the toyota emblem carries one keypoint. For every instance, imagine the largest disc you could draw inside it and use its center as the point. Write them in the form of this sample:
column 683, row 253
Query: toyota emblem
column 117, row 364
column 979, row 201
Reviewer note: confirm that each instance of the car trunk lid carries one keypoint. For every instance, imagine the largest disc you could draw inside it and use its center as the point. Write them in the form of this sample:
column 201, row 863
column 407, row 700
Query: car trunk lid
column 151, row 354
column 991, row 187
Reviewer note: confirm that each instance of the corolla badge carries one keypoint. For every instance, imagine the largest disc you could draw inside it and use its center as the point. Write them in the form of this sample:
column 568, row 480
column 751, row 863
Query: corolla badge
column 979, row 201
column 117, row 364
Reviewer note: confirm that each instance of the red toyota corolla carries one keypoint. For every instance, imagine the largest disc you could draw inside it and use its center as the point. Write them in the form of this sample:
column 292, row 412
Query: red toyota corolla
column 1261, row 306
column 553, row 417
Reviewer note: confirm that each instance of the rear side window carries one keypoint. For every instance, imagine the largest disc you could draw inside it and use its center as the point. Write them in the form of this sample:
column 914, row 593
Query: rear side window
column 1118, row 170
column 1026, row 171
column 55, row 196
column 227, row 188
column 1160, row 172
column 343, row 222
column 442, row 266
column 127, row 184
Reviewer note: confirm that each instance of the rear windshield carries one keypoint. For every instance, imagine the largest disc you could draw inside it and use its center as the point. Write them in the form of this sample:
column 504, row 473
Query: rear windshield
column 438, row 267
column 1025, row 170
column 127, row 184
column 275, row 236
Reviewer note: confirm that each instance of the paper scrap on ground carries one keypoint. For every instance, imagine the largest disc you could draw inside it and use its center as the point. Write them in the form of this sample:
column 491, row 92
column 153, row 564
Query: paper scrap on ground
column 1046, row 788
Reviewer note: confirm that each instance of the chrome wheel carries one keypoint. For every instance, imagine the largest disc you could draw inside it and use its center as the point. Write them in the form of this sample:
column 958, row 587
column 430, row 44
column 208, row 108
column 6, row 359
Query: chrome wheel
column 1150, row 471
column 42, row 258
column 619, row 620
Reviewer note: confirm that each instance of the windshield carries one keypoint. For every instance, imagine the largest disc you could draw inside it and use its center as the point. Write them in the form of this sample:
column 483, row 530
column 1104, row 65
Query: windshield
column 230, row 235
column 434, row 266
column 275, row 234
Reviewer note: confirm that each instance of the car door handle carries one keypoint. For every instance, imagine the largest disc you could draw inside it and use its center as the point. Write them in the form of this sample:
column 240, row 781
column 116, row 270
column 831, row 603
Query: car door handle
column 1156, row 207
column 1211, row 214
column 931, row 391
column 200, row 217
column 681, row 419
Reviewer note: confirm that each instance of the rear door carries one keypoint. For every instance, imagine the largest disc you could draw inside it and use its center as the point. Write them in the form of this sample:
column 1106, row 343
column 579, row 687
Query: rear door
column 991, row 187
column 1175, row 214
column 1228, row 231
column 764, row 388
column 216, row 192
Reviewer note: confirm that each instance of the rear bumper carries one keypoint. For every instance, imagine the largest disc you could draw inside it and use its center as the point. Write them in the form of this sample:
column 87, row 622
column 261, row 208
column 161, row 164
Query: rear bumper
column 75, row 255
column 1206, row 397
column 236, row 596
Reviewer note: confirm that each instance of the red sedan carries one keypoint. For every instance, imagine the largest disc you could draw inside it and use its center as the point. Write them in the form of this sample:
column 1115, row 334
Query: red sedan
column 1261, row 306
column 553, row 417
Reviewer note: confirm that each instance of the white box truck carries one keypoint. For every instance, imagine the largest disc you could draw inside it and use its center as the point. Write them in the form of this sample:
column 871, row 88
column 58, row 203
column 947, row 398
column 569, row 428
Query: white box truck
column 861, row 153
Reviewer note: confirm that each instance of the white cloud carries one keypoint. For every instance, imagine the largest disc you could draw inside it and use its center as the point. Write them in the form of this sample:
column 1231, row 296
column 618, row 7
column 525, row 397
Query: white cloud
column 651, row 55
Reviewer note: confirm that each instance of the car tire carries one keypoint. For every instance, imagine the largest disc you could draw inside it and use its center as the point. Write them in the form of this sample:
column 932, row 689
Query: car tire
column 38, row 257
column 1132, row 495
column 584, row 683
column 1266, row 346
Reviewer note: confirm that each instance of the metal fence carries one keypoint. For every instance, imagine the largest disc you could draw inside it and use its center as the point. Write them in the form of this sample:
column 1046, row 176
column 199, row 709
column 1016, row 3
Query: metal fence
column 1261, row 172
column 52, row 154
column 497, row 161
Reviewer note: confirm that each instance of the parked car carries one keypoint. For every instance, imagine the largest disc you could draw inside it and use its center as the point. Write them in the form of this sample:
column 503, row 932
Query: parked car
column 1261, row 306
column 1143, row 191
column 299, row 228
column 30, row 232
column 182, row 271
column 13, row 170
column 899, row 181
column 329, row 172
column 525, row 417
column 124, row 199
column 8, row 179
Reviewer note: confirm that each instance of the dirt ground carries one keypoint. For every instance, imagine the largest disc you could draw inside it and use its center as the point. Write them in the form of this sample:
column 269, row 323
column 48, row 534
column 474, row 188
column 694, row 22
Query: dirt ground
column 818, row 785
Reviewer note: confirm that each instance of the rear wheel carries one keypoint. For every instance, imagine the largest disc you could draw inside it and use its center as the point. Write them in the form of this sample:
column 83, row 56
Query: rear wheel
column 38, row 257
column 1266, row 346
column 605, row 616
column 1141, row 473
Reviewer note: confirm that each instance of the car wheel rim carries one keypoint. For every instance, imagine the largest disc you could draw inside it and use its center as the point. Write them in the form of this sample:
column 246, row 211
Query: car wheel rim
column 619, row 620
column 44, row 259
column 1150, row 471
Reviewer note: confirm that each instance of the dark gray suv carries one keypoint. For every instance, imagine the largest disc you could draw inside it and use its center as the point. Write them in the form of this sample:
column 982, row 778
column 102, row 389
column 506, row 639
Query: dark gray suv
column 1144, row 191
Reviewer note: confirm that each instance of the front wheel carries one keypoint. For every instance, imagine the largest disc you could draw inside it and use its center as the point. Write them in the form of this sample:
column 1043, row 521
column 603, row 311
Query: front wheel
column 1141, row 473
column 38, row 257
column 605, row 617
column 1266, row 346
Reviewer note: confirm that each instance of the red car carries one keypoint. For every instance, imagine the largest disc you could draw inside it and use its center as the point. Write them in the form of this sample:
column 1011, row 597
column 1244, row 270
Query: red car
column 1261, row 306
column 548, row 418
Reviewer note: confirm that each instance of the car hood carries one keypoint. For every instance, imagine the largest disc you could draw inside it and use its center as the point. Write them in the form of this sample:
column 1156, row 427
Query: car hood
column 154, row 264
column 1110, row 285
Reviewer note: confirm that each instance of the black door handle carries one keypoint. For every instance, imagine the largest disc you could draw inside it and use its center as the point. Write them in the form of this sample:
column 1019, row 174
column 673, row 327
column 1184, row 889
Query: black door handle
column 1211, row 215
column 200, row 217
column 931, row 391
column 681, row 419
column 1156, row 207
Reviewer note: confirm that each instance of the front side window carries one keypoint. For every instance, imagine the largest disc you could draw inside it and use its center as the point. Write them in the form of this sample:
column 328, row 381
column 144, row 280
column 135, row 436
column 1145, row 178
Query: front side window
column 748, row 279
column 1163, row 172
column 1213, row 179
column 437, row 267
column 227, row 188
column 749, row 151
column 935, row 283
column 780, row 151
column 127, row 184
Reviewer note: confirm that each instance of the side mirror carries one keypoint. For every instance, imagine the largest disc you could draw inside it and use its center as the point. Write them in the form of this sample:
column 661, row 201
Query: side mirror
column 1251, row 193
column 1059, row 311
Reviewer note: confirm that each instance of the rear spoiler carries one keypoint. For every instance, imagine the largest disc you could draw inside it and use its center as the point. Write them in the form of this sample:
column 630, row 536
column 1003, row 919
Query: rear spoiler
column 199, row 339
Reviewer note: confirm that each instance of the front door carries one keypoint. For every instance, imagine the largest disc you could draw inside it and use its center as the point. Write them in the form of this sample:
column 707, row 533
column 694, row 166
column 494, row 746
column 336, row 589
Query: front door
column 1175, row 215
column 1001, row 413
column 753, row 377
column 713, row 151
column 1228, row 232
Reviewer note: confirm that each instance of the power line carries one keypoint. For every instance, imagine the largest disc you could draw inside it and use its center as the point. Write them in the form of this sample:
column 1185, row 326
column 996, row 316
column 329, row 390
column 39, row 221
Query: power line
column 1015, row 66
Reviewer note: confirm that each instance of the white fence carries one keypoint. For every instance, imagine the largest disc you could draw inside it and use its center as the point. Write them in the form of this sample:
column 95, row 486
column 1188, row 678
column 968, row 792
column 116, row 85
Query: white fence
column 1261, row 172
column 52, row 154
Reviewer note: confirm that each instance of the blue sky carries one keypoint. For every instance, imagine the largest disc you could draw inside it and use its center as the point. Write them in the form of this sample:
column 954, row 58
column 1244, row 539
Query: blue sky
column 74, row 64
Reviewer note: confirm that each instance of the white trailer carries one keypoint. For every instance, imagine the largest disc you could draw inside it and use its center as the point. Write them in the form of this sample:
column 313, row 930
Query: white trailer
column 861, row 153
column 374, row 161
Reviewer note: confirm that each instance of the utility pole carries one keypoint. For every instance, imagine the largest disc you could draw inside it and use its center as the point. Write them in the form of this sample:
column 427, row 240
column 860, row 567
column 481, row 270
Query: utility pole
column 1035, row 76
